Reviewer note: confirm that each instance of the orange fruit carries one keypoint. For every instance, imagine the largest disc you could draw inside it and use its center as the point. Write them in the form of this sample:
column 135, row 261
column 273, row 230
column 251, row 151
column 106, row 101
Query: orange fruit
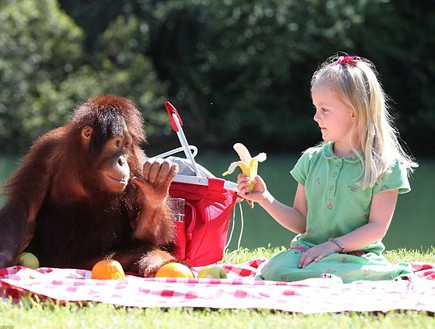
column 174, row 270
column 108, row 269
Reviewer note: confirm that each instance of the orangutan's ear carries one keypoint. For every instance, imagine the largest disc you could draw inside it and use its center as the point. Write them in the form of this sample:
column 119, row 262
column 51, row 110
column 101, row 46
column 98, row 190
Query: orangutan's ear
column 87, row 133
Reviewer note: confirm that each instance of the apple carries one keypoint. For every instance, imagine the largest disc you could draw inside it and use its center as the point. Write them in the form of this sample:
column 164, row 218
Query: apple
column 27, row 259
column 212, row 272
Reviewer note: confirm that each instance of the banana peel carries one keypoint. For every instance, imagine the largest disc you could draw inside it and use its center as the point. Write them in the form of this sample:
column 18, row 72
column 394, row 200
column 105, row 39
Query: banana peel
column 248, row 165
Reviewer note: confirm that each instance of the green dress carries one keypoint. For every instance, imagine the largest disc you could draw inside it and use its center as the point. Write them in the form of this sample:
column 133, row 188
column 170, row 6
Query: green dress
column 336, row 205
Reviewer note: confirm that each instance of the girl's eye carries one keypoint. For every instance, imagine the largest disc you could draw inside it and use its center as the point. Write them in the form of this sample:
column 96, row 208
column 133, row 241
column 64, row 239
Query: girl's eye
column 117, row 143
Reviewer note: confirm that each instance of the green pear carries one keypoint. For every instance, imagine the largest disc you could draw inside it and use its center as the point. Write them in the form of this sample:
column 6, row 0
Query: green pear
column 212, row 272
column 27, row 259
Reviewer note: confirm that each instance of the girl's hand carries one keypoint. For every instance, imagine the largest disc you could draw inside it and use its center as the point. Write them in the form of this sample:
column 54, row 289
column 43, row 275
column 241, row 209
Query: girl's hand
column 259, row 191
column 317, row 253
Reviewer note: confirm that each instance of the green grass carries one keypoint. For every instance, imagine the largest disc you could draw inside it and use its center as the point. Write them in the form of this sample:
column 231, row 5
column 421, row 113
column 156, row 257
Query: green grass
column 34, row 314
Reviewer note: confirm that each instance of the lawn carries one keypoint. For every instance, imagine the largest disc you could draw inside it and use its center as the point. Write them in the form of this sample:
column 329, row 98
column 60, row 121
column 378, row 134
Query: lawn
column 34, row 314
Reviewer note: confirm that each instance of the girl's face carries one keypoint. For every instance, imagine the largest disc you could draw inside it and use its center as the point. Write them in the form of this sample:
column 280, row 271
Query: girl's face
column 334, row 117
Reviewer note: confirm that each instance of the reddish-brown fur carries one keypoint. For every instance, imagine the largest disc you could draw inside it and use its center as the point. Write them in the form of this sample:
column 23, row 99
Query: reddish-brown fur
column 86, row 191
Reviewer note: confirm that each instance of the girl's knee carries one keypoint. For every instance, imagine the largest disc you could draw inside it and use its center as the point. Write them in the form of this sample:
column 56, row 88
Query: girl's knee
column 276, row 268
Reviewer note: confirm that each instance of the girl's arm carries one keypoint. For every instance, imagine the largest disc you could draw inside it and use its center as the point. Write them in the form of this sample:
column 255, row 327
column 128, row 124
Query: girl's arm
column 293, row 219
column 381, row 213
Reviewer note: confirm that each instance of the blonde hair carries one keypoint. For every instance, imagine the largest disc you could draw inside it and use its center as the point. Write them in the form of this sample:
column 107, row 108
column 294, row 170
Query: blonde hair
column 355, row 80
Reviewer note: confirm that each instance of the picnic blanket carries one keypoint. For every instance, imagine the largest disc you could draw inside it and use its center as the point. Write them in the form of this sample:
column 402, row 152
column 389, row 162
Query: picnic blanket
column 239, row 290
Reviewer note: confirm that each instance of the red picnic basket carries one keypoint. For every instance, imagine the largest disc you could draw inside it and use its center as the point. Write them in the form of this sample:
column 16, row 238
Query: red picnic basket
column 201, row 234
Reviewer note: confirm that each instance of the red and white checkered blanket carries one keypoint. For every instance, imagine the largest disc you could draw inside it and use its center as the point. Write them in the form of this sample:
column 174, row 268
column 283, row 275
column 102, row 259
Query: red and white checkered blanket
column 240, row 290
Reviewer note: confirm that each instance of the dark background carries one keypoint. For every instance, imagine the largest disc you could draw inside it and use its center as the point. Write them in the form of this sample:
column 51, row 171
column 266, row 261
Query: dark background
column 236, row 70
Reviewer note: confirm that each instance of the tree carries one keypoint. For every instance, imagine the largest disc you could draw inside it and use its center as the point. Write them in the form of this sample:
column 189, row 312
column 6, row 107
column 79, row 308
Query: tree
column 45, row 73
column 242, row 69
column 238, row 71
column 39, row 46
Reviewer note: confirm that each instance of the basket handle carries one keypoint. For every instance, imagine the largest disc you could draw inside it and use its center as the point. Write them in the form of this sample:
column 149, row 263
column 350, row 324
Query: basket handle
column 192, row 148
column 176, row 124
column 191, row 226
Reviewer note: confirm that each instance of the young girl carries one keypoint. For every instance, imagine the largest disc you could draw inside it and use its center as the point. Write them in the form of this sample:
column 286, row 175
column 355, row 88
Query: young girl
column 347, row 186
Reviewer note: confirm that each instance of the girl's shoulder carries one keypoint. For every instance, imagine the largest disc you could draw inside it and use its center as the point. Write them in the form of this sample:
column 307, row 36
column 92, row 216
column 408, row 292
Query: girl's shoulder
column 312, row 157
column 321, row 150
column 395, row 177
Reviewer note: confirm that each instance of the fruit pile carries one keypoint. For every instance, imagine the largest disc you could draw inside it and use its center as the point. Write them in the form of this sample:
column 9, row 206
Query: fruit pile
column 110, row 269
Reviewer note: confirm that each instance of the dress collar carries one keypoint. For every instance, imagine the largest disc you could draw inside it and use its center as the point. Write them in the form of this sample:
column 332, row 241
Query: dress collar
column 328, row 153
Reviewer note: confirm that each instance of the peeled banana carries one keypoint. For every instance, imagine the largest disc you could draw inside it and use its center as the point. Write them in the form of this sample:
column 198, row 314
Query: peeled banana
column 248, row 164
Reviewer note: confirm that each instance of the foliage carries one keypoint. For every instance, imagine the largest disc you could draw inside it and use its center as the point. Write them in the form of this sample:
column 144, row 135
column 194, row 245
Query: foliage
column 122, row 67
column 238, row 71
column 242, row 70
column 39, row 45
column 45, row 73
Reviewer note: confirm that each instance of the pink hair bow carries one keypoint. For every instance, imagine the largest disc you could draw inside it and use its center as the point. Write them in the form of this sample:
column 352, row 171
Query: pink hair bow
column 348, row 60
